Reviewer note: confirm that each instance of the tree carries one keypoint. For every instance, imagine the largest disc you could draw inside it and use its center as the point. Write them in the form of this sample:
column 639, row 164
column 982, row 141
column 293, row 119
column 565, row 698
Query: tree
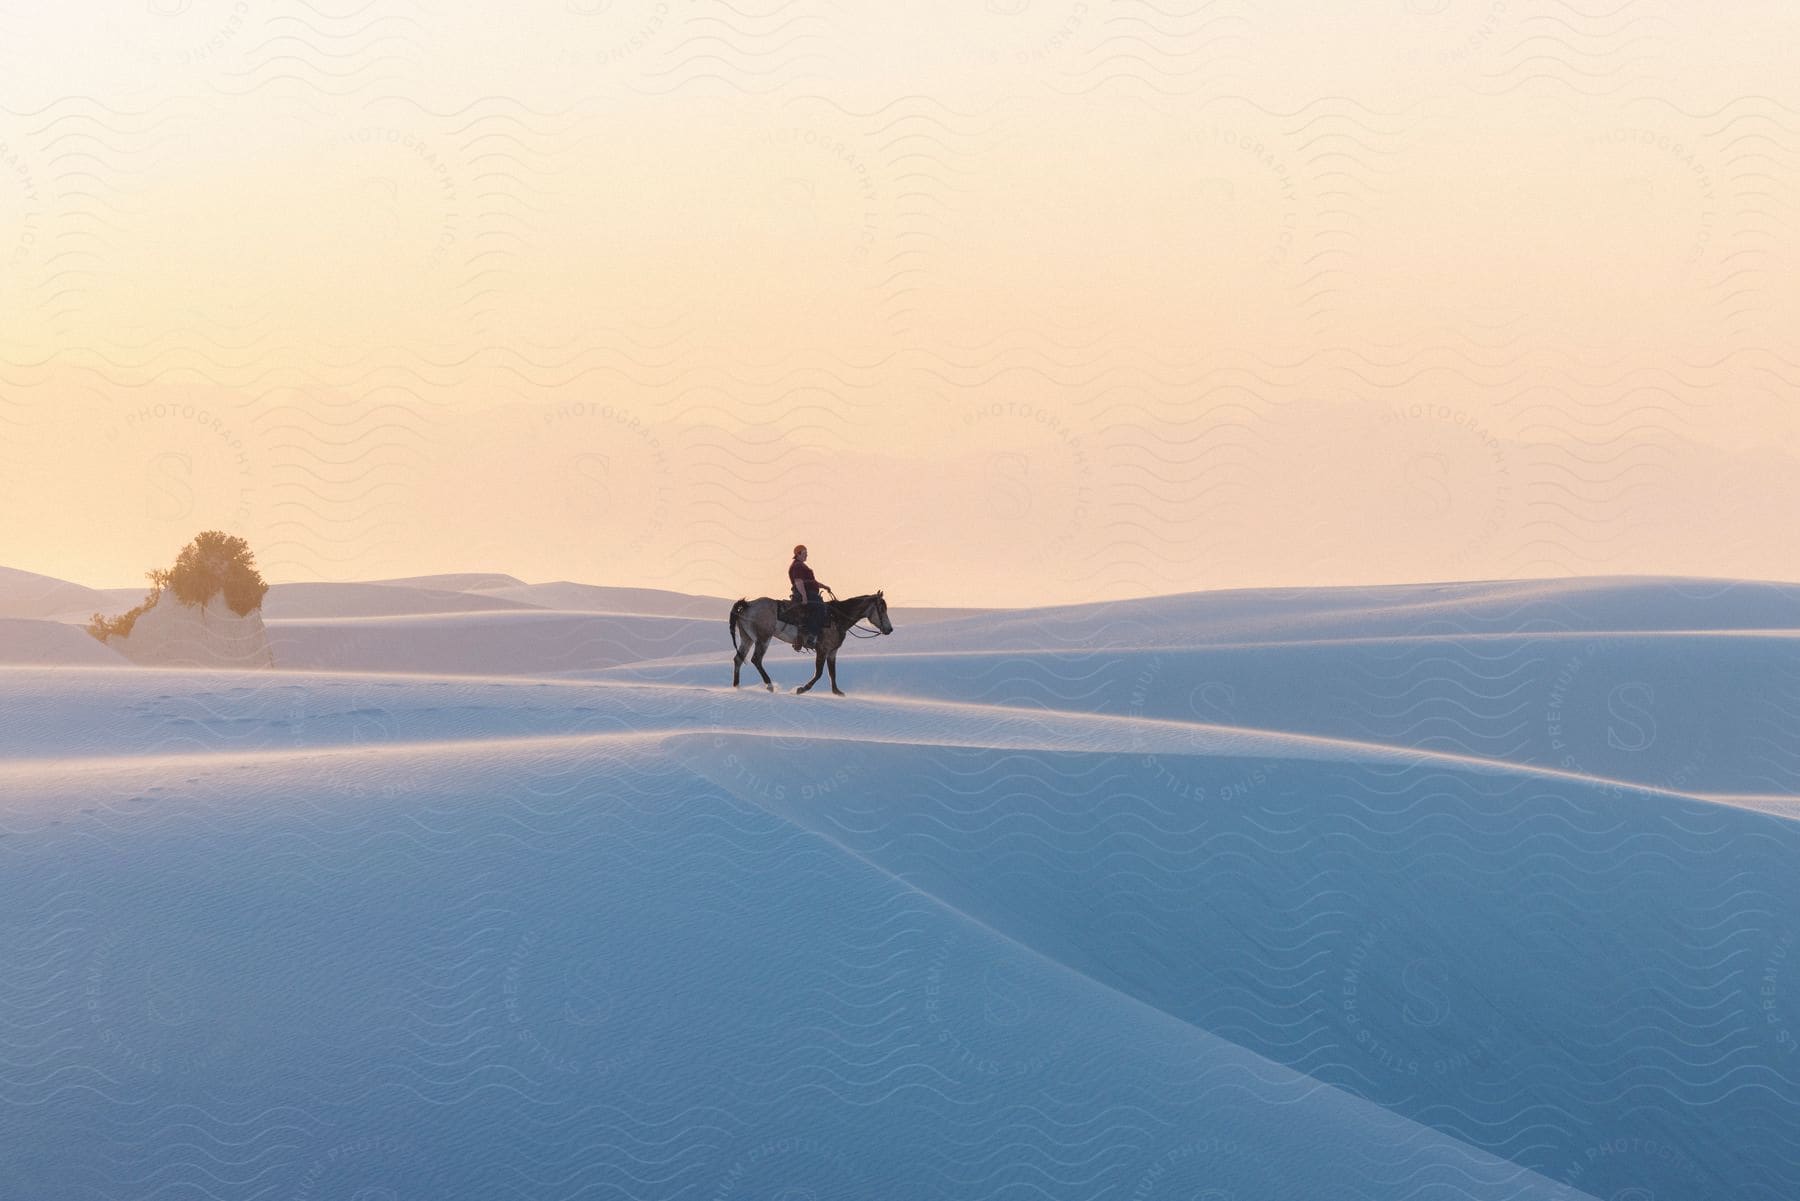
column 213, row 563
column 216, row 562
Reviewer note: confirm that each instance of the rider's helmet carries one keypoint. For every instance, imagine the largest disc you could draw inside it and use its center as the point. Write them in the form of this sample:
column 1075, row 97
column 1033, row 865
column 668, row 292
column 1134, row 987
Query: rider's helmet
column 800, row 550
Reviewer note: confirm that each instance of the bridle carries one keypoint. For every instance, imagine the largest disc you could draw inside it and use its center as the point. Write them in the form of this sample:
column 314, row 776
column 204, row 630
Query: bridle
column 851, row 630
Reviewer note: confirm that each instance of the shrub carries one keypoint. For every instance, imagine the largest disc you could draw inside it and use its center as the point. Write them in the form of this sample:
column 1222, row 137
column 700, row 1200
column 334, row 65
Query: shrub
column 103, row 627
column 212, row 564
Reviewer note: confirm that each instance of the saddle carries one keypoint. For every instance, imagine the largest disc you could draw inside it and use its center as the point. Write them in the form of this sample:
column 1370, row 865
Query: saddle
column 793, row 609
column 790, row 616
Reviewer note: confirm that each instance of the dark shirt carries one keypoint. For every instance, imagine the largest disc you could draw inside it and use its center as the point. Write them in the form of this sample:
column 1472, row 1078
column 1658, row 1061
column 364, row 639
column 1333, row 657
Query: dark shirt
column 804, row 582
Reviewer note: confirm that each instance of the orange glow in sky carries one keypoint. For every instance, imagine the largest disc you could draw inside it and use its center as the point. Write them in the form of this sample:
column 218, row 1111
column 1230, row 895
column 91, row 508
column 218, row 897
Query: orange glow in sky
column 1023, row 301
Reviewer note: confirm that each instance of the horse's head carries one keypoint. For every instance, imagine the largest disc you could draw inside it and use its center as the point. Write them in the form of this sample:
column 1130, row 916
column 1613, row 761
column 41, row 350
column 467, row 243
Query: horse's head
column 878, row 614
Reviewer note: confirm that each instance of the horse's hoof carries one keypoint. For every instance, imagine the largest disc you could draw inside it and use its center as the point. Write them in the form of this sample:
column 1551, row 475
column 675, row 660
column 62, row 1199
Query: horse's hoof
column 837, row 692
column 770, row 687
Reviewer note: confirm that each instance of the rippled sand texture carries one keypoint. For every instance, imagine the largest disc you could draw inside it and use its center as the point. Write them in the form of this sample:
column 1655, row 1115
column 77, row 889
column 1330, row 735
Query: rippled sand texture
column 1432, row 892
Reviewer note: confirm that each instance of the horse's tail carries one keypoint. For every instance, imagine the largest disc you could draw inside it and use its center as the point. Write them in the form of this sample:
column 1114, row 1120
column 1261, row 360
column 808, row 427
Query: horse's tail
column 731, row 622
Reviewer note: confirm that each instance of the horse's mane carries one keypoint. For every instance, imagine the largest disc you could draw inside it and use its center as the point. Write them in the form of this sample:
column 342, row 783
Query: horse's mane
column 842, row 607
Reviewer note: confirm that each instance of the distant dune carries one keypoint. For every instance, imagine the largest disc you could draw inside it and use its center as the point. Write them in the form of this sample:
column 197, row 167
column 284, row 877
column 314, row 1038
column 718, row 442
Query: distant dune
column 26, row 594
column 652, row 602
column 50, row 643
column 521, row 642
column 374, row 600
column 1456, row 609
column 502, row 626
column 461, row 581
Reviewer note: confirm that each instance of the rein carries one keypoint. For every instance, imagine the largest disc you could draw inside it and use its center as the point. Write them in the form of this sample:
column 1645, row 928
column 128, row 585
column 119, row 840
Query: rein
column 851, row 629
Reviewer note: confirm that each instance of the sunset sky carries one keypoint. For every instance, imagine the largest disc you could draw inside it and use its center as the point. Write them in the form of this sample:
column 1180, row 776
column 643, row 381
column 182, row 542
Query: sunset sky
column 1014, row 302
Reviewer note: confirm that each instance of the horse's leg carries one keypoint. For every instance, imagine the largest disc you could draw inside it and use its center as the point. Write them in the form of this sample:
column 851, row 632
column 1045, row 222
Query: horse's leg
column 737, row 664
column 818, row 668
column 762, row 644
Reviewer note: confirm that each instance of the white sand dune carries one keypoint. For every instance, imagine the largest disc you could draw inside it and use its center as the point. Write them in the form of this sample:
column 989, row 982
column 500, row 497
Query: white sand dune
column 524, row 642
column 457, row 581
column 1476, row 891
column 653, row 602
column 1405, row 610
column 376, row 600
column 25, row 594
column 590, row 598
column 52, row 642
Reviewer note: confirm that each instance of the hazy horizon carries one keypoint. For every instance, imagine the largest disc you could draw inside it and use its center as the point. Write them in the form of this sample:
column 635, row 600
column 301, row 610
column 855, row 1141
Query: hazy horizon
column 932, row 602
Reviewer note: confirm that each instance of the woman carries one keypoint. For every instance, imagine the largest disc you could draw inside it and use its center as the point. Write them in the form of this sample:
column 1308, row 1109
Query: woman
column 806, row 588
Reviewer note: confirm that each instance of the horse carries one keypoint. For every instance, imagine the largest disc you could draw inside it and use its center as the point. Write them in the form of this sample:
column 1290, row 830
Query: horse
column 758, row 623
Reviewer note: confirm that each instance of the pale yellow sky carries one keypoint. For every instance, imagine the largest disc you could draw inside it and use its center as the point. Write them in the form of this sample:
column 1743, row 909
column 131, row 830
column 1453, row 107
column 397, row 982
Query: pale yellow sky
column 1015, row 301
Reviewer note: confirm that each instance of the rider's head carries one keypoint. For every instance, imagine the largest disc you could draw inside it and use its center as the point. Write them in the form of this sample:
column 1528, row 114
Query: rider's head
column 800, row 551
